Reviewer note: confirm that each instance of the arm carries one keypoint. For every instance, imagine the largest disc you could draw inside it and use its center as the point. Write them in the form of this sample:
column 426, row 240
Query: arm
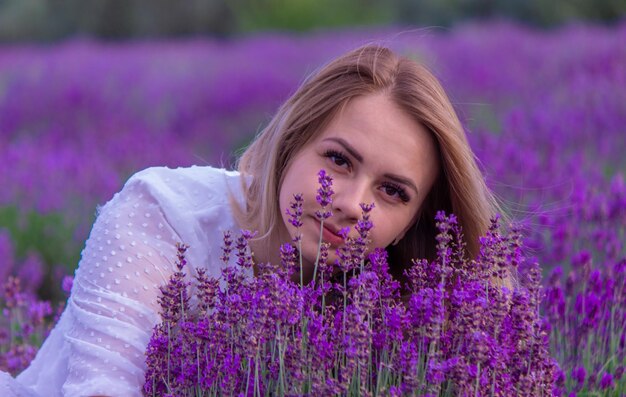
column 129, row 254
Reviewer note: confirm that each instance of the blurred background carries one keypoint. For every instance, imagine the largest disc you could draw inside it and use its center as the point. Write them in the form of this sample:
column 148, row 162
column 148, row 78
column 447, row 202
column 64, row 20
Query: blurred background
column 45, row 20
column 93, row 91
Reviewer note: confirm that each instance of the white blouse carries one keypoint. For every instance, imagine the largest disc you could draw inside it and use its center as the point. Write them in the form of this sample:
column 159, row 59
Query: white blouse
column 97, row 347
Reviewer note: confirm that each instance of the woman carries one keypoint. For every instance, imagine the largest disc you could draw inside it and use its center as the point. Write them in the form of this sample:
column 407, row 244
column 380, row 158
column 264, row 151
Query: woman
column 406, row 91
column 380, row 124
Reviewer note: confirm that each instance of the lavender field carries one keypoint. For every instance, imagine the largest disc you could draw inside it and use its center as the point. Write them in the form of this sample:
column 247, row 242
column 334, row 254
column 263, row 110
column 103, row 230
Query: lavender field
column 545, row 112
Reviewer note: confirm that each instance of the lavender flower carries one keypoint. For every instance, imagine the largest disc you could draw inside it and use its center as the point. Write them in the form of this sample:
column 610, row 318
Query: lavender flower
column 174, row 299
column 67, row 283
column 244, row 256
column 24, row 324
column 288, row 258
column 324, row 195
column 295, row 211
column 607, row 381
column 363, row 227
column 226, row 247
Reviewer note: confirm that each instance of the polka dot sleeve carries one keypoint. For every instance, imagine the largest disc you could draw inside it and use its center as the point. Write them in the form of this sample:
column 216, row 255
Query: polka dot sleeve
column 129, row 254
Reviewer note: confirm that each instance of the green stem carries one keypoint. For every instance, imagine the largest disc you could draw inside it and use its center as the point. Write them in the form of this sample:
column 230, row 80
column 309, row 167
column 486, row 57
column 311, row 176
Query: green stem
column 477, row 380
column 300, row 252
column 345, row 298
column 257, row 388
column 319, row 248
column 248, row 380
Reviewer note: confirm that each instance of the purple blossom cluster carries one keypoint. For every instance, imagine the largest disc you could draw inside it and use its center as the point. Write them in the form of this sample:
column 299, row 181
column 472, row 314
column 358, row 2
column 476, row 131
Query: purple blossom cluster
column 324, row 195
column 586, row 311
column 451, row 330
column 24, row 324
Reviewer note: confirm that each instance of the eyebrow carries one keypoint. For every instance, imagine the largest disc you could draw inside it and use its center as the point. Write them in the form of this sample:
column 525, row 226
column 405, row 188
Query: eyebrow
column 352, row 151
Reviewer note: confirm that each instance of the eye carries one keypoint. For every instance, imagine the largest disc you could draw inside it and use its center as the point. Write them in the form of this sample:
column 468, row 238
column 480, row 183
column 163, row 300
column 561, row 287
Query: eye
column 395, row 191
column 339, row 159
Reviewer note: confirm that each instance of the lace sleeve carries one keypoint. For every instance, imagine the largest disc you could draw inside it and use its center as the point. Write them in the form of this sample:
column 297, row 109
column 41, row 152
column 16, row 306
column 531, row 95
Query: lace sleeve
column 129, row 254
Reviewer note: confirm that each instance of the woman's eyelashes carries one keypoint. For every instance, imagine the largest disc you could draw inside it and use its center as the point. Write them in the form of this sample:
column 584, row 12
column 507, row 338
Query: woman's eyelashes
column 338, row 158
column 390, row 189
column 395, row 191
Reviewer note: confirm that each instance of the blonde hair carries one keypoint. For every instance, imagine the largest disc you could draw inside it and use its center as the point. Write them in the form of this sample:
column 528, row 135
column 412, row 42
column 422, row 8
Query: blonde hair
column 459, row 189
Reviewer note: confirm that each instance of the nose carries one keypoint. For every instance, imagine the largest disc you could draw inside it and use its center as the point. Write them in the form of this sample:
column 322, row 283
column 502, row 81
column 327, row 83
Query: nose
column 347, row 199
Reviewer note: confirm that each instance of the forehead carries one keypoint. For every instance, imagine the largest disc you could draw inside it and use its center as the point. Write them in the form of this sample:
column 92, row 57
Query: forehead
column 383, row 133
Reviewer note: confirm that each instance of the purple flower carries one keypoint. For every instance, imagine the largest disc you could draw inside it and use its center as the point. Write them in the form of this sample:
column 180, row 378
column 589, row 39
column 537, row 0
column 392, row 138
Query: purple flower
column 579, row 374
column 31, row 272
column 295, row 210
column 27, row 321
column 67, row 283
column 322, row 264
column 288, row 258
column 324, row 195
column 207, row 291
column 227, row 243
column 591, row 380
column 244, row 256
column 607, row 381
column 364, row 225
column 174, row 299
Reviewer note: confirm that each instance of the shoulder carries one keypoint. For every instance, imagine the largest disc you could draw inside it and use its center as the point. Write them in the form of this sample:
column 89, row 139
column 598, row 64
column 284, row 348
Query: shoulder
column 186, row 187
column 186, row 197
column 184, row 180
column 192, row 204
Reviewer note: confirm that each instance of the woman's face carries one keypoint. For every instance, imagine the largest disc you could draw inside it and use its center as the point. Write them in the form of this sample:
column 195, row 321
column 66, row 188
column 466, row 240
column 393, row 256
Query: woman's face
column 376, row 153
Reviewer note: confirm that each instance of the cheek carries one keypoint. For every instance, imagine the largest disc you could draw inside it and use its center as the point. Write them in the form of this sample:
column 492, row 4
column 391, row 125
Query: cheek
column 299, row 180
column 284, row 200
column 285, row 196
column 287, row 189
column 292, row 184
column 382, row 234
column 387, row 227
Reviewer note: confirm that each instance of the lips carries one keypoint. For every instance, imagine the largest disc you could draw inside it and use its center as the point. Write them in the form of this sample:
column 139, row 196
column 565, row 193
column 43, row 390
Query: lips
column 329, row 233
column 332, row 228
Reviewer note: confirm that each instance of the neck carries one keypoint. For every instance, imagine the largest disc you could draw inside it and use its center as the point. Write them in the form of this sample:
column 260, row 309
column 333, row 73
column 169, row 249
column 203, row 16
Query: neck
column 264, row 251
